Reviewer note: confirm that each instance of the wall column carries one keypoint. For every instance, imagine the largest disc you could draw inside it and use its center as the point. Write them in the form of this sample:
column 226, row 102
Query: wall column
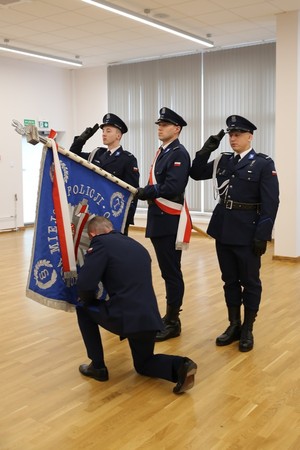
column 287, row 135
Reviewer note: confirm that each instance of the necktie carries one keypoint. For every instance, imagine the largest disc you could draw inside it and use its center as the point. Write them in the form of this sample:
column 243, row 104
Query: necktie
column 236, row 159
column 107, row 154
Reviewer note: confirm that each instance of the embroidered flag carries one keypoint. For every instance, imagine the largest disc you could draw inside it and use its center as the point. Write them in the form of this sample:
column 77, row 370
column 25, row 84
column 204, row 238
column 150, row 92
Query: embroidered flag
column 82, row 195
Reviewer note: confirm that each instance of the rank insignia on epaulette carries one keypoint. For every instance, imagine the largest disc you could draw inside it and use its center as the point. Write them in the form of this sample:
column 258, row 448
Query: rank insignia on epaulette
column 264, row 155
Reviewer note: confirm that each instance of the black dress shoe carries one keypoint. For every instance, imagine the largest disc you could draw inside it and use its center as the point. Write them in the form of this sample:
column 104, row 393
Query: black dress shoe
column 186, row 376
column 172, row 329
column 231, row 334
column 90, row 371
column 246, row 342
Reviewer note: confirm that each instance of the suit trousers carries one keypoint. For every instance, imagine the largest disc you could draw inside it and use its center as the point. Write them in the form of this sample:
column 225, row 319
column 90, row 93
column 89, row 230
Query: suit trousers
column 169, row 261
column 141, row 345
column 240, row 272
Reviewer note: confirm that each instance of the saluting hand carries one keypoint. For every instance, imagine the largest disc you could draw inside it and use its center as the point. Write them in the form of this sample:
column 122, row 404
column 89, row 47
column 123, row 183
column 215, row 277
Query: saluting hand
column 88, row 133
column 212, row 143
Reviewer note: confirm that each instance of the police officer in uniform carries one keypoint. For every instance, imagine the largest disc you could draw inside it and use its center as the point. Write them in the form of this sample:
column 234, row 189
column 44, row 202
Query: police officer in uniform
column 120, row 163
column 124, row 267
column 171, row 173
column 241, row 222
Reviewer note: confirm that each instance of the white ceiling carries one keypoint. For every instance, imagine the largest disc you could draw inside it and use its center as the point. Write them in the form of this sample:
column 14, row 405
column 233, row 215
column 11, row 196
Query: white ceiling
column 72, row 28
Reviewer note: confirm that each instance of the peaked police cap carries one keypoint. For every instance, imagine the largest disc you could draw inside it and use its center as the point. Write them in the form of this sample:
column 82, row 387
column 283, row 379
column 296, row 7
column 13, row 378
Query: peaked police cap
column 239, row 123
column 114, row 121
column 167, row 115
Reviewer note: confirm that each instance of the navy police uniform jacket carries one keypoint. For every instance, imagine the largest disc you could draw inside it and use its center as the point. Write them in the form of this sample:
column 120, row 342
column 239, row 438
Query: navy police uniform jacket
column 252, row 181
column 124, row 267
column 172, row 173
column 122, row 164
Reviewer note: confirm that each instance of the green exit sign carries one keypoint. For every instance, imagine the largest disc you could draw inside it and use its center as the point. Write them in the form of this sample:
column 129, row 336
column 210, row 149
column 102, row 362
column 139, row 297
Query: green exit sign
column 43, row 124
column 29, row 122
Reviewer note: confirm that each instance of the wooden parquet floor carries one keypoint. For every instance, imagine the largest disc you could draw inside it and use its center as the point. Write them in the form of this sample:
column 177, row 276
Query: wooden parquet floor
column 240, row 401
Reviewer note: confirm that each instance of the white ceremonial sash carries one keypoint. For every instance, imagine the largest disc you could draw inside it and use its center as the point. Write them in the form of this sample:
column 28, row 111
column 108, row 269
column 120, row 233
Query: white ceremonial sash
column 184, row 230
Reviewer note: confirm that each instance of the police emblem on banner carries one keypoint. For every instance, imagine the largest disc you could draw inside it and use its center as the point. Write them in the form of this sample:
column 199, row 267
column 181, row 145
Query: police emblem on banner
column 88, row 194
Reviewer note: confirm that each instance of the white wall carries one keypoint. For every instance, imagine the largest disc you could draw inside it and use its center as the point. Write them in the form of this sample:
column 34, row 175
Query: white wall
column 287, row 225
column 90, row 101
column 69, row 99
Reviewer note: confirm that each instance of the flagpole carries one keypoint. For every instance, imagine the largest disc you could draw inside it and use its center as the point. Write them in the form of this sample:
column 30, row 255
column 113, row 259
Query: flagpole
column 33, row 137
column 198, row 230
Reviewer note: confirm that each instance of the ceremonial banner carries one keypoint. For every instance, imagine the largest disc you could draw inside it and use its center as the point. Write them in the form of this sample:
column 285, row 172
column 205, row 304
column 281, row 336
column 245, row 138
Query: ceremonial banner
column 70, row 194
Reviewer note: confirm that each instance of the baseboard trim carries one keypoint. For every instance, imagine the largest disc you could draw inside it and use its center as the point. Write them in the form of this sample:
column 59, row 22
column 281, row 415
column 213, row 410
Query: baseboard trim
column 295, row 259
column 9, row 230
column 195, row 231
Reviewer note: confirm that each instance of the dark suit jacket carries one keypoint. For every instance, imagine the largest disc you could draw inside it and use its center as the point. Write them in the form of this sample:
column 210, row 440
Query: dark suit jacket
column 172, row 173
column 122, row 164
column 124, row 267
column 252, row 180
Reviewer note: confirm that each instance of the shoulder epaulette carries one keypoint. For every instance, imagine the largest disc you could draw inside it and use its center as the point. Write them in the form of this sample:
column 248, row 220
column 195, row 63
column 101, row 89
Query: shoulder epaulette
column 227, row 153
column 263, row 155
column 128, row 153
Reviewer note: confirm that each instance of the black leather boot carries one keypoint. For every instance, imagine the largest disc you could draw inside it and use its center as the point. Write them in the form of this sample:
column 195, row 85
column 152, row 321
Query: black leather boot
column 172, row 325
column 233, row 332
column 246, row 339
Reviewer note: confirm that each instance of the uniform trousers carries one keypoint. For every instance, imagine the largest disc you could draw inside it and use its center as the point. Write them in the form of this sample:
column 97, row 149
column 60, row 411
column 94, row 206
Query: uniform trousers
column 240, row 272
column 169, row 261
column 141, row 345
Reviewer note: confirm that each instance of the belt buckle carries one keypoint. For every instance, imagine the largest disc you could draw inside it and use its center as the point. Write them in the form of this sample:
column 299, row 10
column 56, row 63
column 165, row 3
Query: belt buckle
column 229, row 204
